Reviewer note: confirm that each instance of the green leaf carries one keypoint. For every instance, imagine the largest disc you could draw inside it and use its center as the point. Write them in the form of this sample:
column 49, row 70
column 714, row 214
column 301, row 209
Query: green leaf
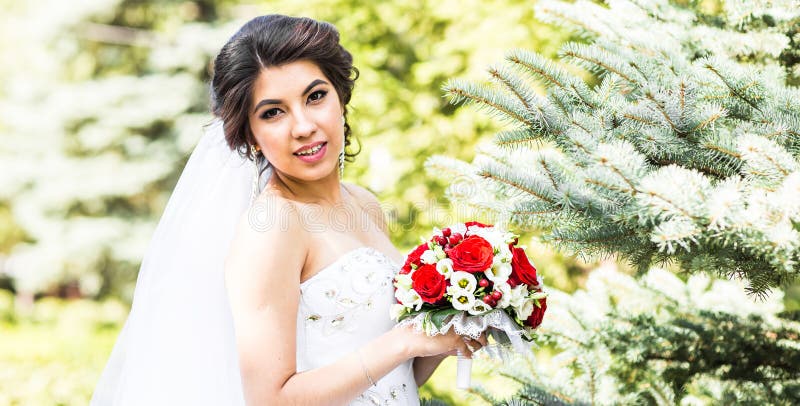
column 407, row 314
column 438, row 316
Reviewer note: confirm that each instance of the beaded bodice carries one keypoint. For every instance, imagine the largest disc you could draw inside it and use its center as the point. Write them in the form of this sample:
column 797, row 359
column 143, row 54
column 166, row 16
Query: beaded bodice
column 344, row 306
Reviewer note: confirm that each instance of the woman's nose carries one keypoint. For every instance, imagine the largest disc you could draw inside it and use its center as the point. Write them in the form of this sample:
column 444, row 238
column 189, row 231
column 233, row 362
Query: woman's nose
column 303, row 125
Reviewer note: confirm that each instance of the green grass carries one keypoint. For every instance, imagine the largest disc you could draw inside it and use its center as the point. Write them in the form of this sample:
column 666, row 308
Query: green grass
column 54, row 352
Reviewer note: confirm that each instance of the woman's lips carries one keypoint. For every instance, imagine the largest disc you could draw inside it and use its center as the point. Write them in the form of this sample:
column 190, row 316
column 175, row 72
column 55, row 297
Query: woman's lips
column 315, row 156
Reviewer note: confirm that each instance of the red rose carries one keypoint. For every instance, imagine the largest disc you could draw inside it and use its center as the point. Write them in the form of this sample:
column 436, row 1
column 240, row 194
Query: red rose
column 474, row 254
column 413, row 258
column 429, row 283
column 535, row 319
column 475, row 223
column 521, row 268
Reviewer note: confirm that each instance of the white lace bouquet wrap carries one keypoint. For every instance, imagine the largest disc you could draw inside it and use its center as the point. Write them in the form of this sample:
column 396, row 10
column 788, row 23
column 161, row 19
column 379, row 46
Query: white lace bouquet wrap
column 473, row 278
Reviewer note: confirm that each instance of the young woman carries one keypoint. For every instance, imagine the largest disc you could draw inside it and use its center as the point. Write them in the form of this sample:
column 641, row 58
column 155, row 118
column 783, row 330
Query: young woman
column 283, row 299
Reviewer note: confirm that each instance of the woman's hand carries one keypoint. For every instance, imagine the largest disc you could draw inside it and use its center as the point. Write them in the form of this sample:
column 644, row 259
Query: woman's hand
column 428, row 352
column 419, row 344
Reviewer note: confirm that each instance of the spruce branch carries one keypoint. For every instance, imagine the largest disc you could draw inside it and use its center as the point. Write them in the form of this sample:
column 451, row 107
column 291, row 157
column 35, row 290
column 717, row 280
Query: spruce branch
column 679, row 153
column 513, row 84
column 743, row 91
column 554, row 76
column 483, row 394
column 463, row 92
column 547, row 120
column 517, row 186
column 661, row 340
column 514, row 138
column 514, row 182
column 709, row 115
column 659, row 107
column 598, row 60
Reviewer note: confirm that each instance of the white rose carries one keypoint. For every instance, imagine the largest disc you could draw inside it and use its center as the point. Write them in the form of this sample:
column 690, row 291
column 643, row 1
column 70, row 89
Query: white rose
column 403, row 281
column 505, row 289
column 489, row 234
column 519, row 295
column 396, row 311
column 459, row 228
column 409, row 298
column 524, row 310
column 497, row 237
column 503, row 254
column 538, row 295
column 428, row 257
column 463, row 280
column 440, row 255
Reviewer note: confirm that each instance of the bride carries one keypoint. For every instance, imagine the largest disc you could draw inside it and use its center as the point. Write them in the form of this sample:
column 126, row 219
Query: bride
column 268, row 281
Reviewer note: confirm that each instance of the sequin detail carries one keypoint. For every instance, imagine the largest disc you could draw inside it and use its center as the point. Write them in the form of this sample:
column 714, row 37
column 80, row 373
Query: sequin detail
column 339, row 293
column 343, row 307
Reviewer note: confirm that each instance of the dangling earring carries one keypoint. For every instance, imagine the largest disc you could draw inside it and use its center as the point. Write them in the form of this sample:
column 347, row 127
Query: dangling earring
column 341, row 155
column 255, row 153
column 341, row 164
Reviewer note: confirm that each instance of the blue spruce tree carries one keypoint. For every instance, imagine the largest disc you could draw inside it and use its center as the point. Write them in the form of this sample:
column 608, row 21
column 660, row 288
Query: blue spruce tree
column 683, row 147
column 670, row 134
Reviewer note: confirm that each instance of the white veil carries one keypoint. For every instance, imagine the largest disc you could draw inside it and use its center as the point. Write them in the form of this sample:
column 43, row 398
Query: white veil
column 178, row 346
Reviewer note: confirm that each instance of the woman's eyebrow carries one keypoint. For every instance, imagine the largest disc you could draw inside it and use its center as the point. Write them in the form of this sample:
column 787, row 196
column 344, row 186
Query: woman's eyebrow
column 276, row 101
column 265, row 102
column 312, row 84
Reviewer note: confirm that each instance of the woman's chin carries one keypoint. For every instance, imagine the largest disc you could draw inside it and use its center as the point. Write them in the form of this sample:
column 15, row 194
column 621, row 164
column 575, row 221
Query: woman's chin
column 310, row 174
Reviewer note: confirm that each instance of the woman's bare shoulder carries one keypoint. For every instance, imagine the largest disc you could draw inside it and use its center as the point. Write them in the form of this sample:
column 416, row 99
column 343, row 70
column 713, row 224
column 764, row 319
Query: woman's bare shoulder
column 270, row 235
column 369, row 203
column 272, row 215
column 362, row 194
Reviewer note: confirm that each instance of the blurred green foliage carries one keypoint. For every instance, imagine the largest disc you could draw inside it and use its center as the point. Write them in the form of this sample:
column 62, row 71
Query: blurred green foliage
column 122, row 84
column 53, row 353
column 406, row 51
column 102, row 102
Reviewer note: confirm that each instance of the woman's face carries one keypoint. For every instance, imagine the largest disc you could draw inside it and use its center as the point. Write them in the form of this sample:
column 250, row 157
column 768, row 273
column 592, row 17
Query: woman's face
column 297, row 120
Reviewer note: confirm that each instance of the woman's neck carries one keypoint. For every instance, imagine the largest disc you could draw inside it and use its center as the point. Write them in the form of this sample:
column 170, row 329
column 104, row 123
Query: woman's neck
column 323, row 192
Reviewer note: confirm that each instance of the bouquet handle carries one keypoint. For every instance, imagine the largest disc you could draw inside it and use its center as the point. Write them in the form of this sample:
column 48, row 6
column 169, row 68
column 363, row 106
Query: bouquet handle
column 463, row 372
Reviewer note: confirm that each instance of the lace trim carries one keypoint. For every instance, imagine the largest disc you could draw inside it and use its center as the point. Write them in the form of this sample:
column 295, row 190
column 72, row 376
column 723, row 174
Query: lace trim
column 473, row 326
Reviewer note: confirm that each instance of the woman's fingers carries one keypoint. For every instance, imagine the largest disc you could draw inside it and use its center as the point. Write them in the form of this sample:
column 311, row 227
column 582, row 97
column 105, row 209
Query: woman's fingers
column 462, row 345
column 476, row 344
column 465, row 351
column 472, row 344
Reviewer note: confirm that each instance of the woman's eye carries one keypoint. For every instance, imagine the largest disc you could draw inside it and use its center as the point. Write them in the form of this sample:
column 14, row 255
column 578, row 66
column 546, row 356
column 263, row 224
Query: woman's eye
column 318, row 95
column 270, row 113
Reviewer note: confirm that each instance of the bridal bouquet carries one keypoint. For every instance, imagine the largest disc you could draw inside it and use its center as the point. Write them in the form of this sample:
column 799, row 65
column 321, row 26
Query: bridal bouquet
column 471, row 277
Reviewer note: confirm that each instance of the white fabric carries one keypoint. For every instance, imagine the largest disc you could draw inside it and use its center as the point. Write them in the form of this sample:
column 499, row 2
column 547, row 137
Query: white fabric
column 497, row 323
column 343, row 307
column 178, row 345
column 473, row 326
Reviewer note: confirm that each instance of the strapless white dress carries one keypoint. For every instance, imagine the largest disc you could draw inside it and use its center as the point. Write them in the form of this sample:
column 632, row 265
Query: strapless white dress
column 343, row 307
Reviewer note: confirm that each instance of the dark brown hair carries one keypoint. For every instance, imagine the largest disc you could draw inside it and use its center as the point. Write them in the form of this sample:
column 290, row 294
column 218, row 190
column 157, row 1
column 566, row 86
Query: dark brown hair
column 274, row 40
